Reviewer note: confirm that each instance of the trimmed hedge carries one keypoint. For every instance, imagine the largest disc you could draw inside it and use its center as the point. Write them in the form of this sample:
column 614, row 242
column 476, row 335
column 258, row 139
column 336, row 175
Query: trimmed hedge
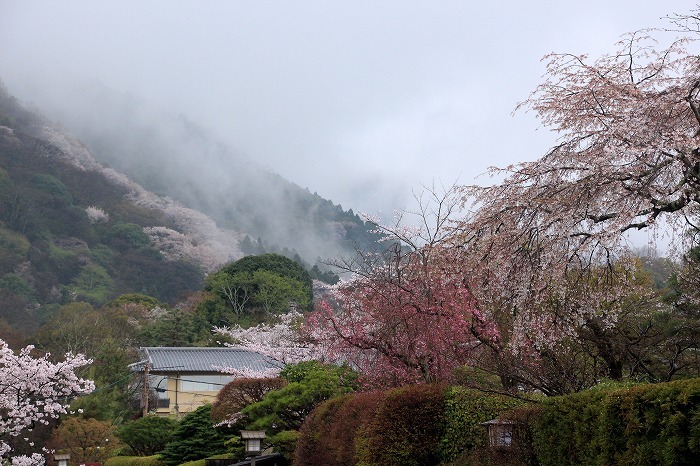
column 414, row 425
column 329, row 433
column 406, row 428
column 466, row 409
column 642, row 425
column 135, row 461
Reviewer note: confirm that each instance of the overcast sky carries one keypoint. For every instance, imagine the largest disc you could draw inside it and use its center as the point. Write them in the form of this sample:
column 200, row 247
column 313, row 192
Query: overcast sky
column 361, row 101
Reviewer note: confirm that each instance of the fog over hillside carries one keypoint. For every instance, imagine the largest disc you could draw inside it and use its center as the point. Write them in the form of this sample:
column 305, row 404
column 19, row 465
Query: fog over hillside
column 174, row 157
column 362, row 102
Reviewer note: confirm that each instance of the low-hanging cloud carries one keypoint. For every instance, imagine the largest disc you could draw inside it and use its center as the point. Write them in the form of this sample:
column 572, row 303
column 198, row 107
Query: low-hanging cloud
column 359, row 101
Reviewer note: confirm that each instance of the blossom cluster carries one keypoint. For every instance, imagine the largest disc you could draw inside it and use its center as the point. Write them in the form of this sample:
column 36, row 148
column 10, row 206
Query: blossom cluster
column 35, row 390
column 281, row 342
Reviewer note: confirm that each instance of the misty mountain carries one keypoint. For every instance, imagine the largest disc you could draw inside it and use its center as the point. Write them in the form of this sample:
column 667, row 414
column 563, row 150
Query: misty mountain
column 74, row 230
column 173, row 157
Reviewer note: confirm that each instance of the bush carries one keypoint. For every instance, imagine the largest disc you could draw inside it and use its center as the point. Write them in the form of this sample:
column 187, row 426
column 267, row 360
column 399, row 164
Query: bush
column 414, row 425
column 406, row 428
column 241, row 392
column 147, row 435
column 328, row 435
column 465, row 410
column 640, row 425
column 521, row 451
column 135, row 461
column 195, row 438
column 401, row 426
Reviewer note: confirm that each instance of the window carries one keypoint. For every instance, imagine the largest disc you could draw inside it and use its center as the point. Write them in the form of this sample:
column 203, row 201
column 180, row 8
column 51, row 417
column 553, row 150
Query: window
column 159, row 384
column 203, row 383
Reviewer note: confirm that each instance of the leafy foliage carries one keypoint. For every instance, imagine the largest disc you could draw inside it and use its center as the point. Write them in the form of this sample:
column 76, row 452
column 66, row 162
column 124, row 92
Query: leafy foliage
column 638, row 425
column 194, row 438
column 134, row 461
column 255, row 289
column 87, row 440
column 148, row 435
column 267, row 281
column 285, row 409
column 330, row 433
column 465, row 410
column 412, row 425
column 241, row 392
column 396, row 436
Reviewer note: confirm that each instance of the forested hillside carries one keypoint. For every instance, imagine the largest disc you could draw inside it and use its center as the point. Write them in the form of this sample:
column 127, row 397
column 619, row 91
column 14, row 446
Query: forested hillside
column 68, row 232
column 172, row 156
column 73, row 229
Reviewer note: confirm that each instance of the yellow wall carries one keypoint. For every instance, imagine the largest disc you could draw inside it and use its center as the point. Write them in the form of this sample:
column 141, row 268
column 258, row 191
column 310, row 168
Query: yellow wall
column 182, row 402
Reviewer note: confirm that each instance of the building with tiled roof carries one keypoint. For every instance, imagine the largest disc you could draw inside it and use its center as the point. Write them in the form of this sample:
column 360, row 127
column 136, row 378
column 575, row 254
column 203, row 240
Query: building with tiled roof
column 180, row 379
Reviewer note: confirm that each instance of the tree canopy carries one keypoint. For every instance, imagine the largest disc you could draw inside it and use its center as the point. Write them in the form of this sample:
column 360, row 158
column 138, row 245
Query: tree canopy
column 268, row 284
column 532, row 277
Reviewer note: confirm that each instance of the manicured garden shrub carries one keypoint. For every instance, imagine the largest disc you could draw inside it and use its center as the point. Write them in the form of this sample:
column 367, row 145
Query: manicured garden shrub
column 465, row 410
column 521, row 451
column 406, row 428
column 414, row 425
column 195, row 438
column 147, row 435
column 241, row 392
column 135, row 461
column 567, row 431
column 642, row 425
column 328, row 435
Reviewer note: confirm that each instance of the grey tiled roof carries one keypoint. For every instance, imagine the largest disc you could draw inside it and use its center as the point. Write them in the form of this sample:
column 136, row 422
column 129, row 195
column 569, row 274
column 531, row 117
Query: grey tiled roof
column 189, row 359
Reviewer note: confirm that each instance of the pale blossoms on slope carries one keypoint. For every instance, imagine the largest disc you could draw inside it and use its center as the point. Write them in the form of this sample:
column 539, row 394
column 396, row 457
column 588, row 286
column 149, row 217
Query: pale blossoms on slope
column 95, row 214
column 198, row 239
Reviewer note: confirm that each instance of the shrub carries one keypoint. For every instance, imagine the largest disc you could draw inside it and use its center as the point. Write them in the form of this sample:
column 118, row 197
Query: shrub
column 329, row 433
column 241, row 392
column 147, row 435
column 406, row 428
column 134, row 461
column 309, row 383
column 521, row 451
column 640, row 425
column 413, row 425
column 194, row 438
column 465, row 410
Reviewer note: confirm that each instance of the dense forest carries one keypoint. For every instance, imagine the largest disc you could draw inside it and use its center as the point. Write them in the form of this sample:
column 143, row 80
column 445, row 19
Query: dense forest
column 173, row 156
column 72, row 230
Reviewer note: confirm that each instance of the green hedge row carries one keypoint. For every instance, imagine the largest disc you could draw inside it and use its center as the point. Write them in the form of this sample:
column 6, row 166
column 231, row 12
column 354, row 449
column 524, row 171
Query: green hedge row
column 654, row 424
column 640, row 425
column 135, row 461
column 412, row 426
